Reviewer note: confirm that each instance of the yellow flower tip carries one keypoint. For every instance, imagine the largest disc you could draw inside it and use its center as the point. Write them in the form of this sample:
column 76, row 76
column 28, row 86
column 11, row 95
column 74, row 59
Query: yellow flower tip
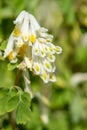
column 44, row 76
column 32, row 38
column 42, row 52
column 48, row 66
column 48, row 40
column 10, row 56
column 36, row 50
column 50, row 57
column 16, row 32
column 37, row 68
column 51, row 50
column 52, row 78
column 58, row 49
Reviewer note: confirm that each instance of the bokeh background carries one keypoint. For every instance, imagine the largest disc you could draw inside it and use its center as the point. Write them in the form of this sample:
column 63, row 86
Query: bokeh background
column 65, row 101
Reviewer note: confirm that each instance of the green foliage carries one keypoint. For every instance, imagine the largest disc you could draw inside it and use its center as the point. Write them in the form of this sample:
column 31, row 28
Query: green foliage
column 7, row 94
column 67, row 21
column 12, row 99
column 12, row 103
column 22, row 113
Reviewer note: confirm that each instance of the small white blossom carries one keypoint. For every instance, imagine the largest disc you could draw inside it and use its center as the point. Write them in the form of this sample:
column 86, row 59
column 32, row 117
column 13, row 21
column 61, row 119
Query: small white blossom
column 34, row 45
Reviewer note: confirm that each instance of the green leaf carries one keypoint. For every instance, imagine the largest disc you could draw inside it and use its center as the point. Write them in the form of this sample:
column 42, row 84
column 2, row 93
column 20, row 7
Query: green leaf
column 6, row 95
column 12, row 103
column 3, row 102
column 12, row 92
column 26, row 98
column 11, row 99
column 3, row 92
column 22, row 113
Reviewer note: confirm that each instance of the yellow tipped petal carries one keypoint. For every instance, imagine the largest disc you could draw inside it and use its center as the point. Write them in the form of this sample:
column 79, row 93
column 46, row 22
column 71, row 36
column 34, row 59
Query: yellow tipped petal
column 52, row 78
column 16, row 32
column 45, row 77
column 36, row 50
column 37, row 68
column 51, row 50
column 11, row 56
column 32, row 38
column 58, row 49
column 51, row 58
column 42, row 53
column 48, row 66
column 48, row 40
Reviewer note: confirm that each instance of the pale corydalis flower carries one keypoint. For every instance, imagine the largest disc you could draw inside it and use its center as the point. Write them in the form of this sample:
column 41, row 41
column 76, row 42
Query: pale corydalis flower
column 34, row 45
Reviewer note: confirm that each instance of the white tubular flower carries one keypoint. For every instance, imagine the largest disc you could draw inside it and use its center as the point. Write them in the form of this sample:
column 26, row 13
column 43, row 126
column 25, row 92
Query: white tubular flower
column 9, row 47
column 20, row 18
column 23, row 35
column 43, row 55
column 34, row 45
column 44, row 75
column 37, row 68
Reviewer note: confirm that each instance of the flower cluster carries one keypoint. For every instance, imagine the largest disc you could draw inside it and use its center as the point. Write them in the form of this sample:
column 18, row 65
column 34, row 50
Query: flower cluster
column 33, row 45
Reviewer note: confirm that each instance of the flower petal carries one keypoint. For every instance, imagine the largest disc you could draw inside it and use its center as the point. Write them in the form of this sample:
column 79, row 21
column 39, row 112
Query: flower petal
column 37, row 68
column 45, row 77
column 9, row 47
column 51, row 58
column 58, row 49
column 52, row 78
column 47, row 66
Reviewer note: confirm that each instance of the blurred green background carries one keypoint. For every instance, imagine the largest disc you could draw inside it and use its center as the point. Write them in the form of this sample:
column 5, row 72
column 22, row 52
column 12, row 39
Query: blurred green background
column 65, row 106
